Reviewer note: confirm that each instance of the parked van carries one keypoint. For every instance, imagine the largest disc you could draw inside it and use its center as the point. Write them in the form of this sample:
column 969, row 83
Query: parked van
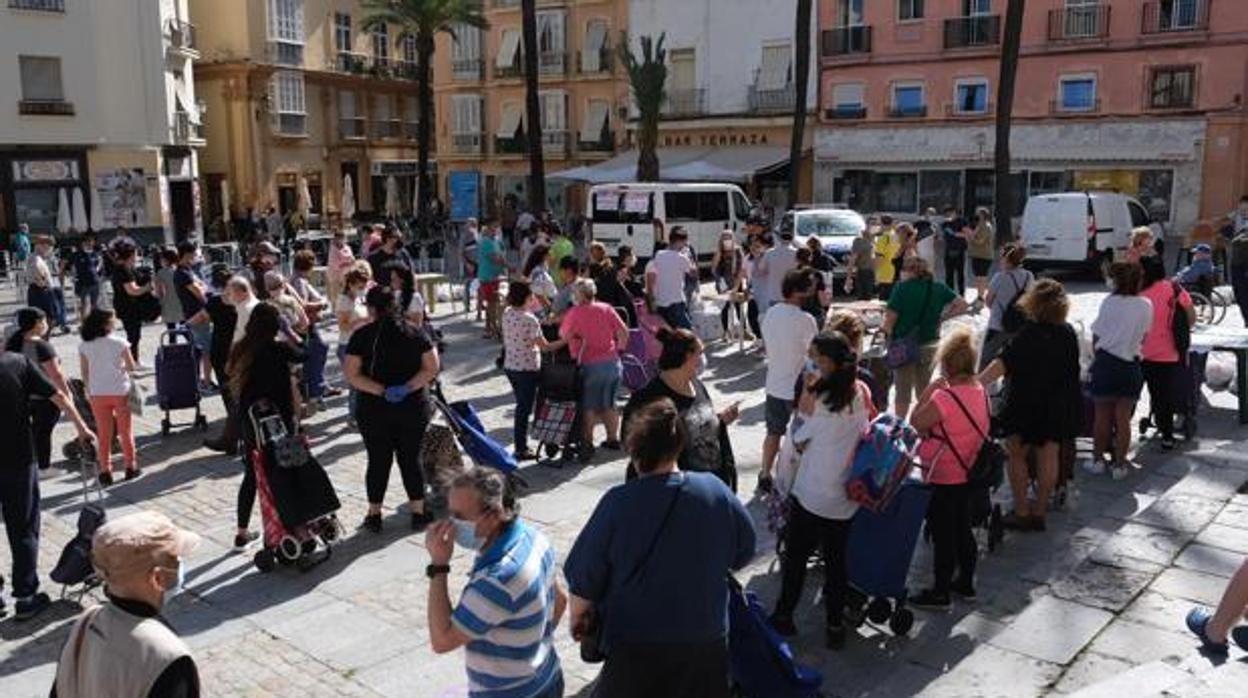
column 623, row 214
column 1079, row 228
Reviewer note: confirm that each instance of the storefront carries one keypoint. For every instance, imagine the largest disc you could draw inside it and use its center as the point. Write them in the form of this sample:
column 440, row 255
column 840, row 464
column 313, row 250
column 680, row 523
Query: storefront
column 30, row 186
column 404, row 174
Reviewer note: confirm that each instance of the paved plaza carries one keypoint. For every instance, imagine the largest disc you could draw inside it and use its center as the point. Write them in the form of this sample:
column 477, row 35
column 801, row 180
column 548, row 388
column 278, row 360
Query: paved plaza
column 1092, row 607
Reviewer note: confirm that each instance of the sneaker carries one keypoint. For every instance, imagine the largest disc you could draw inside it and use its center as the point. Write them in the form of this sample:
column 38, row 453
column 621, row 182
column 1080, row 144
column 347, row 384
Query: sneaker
column 372, row 523
column 133, row 474
column 835, row 636
column 1239, row 633
column 1198, row 621
column 1168, row 443
column 524, row 455
column 421, row 521
column 782, row 625
column 964, row 590
column 1120, row 471
column 931, row 600
column 242, row 540
column 32, row 606
column 1094, row 466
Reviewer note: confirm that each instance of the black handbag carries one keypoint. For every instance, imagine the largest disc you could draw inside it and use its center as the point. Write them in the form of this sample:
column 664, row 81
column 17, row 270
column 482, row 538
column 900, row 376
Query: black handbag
column 1178, row 324
column 988, row 469
column 591, row 632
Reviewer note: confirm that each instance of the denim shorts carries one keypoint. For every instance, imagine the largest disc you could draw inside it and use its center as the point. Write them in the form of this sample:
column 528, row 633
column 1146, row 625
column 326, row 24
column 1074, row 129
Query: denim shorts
column 203, row 336
column 776, row 413
column 600, row 383
column 1115, row 379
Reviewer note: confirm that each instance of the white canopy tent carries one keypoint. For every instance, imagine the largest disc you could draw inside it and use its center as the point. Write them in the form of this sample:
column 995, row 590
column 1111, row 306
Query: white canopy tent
column 64, row 217
column 80, row 211
column 97, row 211
column 348, row 199
column 685, row 164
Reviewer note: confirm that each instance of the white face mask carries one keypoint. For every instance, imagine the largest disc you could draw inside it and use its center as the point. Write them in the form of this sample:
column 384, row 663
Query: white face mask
column 466, row 534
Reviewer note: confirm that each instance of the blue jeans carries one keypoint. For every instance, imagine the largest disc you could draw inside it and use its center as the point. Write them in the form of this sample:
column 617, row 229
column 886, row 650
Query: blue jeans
column 524, row 384
column 677, row 315
column 314, row 367
column 351, row 397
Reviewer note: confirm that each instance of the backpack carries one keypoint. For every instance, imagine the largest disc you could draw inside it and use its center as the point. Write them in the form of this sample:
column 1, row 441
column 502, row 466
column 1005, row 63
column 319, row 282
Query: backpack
column 1013, row 318
column 987, row 471
column 883, row 460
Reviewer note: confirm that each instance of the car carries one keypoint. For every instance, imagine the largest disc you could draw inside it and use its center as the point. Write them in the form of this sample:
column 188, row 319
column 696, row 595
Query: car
column 835, row 226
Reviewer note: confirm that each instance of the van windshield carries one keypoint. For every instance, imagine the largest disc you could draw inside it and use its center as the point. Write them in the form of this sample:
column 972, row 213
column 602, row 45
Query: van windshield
column 622, row 207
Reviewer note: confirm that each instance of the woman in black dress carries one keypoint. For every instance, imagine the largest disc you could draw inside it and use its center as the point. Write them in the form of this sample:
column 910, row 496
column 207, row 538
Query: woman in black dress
column 130, row 296
column 1043, row 400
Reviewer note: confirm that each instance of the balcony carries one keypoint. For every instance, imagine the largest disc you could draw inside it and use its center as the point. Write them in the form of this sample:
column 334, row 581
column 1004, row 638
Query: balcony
column 955, row 111
column 186, row 131
column 896, row 112
column 606, row 62
column 552, row 63
column 506, row 3
column 1078, row 23
column 517, row 145
column 38, row 5
column 182, row 38
column 686, row 102
column 602, row 145
column 284, row 53
column 973, row 32
column 290, row 125
column 556, row 142
column 515, row 70
column 1057, row 108
column 45, row 107
column 467, row 143
column 1175, row 16
column 349, row 62
column 411, row 131
column 778, row 100
column 351, row 127
column 468, row 69
column 384, row 128
column 845, row 41
column 845, row 113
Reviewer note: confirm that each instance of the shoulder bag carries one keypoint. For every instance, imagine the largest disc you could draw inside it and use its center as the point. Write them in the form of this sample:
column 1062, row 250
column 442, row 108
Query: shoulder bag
column 907, row 350
column 591, row 636
column 1178, row 323
column 1013, row 318
column 988, row 468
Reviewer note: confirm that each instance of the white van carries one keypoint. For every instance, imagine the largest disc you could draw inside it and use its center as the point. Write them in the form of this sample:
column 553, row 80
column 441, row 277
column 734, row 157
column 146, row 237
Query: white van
column 623, row 214
column 1079, row 228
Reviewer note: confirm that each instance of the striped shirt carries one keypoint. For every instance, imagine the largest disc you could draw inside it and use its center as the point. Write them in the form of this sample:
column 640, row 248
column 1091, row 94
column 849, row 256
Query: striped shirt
column 507, row 611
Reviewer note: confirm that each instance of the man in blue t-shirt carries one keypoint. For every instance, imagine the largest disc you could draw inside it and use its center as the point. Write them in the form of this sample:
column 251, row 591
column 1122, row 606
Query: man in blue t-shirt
column 88, row 266
column 491, row 265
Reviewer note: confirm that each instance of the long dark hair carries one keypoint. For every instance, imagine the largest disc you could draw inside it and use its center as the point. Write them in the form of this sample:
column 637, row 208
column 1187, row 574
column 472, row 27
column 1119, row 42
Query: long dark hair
column 536, row 256
column 390, row 321
column 262, row 328
column 677, row 343
column 96, row 325
column 837, row 389
column 397, row 268
column 26, row 319
column 656, row 435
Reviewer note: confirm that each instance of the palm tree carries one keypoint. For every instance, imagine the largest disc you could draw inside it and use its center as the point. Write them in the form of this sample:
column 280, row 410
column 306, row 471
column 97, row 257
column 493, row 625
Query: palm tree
column 648, row 79
column 533, row 110
column 423, row 19
column 1003, row 196
column 801, row 76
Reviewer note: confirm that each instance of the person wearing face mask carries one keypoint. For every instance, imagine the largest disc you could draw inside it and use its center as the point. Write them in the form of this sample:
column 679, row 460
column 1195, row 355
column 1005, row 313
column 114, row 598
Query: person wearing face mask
column 506, row 616
column 123, row 648
column 681, row 364
column 916, row 308
column 665, row 281
column 787, row 331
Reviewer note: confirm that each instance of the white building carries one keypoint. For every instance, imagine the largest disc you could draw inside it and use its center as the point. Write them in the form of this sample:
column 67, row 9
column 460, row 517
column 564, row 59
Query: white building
column 103, row 99
column 731, row 91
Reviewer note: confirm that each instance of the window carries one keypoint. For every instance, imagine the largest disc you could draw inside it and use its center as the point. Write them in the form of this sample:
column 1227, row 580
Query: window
column 38, row 5
column 468, row 114
column 1156, row 193
column 776, row 70
column 41, row 79
column 971, row 97
column 411, row 117
column 713, row 206
column 909, row 9
column 908, row 99
column 511, row 123
column 286, row 102
column 1077, row 93
column 1173, row 87
column 1180, row 14
column 381, row 43
column 350, row 121
column 286, row 21
column 681, row 205
column 467, row 43
column 342, row 32
column 1139, row 217
column 508, row 48
column 939, row 189
column 597, row 126
column 975, row 8
column 550, row 34
column 1049, row 182
column 409, row 48
column 897, row 192
column 554, row 110
column 595, row 42
column 849, row 13
column 848, row 97
column 682, row 74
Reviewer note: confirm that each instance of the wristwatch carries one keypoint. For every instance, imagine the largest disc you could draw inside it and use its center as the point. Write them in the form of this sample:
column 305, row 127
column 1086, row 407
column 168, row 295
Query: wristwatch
column 432, row 571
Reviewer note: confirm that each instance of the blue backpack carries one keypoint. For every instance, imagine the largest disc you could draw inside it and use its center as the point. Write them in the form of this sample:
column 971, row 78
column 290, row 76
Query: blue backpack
column 762, row 663
column 884, row 459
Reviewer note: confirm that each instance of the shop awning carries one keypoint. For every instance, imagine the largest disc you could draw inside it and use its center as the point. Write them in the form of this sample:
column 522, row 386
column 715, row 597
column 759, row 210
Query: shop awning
column 719, row 164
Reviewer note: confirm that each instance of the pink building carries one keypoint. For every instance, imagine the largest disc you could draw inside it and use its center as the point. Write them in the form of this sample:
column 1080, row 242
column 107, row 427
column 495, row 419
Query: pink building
column 1142, row 97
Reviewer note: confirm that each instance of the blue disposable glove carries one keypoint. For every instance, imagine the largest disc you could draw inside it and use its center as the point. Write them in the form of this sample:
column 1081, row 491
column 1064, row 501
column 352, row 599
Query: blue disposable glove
column 397, row 393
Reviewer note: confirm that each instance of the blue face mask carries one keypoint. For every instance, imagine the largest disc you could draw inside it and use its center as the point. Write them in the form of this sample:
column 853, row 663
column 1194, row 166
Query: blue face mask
column 179, row 582
column 466, row 534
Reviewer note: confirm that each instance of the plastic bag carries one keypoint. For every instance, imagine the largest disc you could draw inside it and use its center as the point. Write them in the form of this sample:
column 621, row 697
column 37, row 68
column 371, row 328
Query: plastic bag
column 1220, row 371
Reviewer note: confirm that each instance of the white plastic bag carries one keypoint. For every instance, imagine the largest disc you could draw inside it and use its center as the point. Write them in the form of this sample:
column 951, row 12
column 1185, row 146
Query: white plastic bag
column 1220, row 371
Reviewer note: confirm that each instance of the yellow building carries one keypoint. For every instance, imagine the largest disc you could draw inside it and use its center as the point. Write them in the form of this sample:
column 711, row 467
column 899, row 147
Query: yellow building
column 298, row 92
column 480, row 107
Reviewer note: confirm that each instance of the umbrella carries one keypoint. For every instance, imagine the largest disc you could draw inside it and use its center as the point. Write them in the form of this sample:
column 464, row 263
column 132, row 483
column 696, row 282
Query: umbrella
column 80, row 211
column 64, row 220
column 97, row 211
column 348, row 199
column 305, row 197
column 225, row 200
column 392, row 197
column 416, row 197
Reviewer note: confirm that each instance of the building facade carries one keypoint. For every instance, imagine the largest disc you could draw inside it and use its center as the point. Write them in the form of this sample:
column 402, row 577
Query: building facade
column 302, row 100
column 480, row 95
column 103, row 104
column 1146, row 98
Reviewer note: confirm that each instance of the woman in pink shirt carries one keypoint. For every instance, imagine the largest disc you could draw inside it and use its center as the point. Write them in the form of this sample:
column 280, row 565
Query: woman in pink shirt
column 1161, row 359
column 953, row 417
column 338, row 262
column 595, row 335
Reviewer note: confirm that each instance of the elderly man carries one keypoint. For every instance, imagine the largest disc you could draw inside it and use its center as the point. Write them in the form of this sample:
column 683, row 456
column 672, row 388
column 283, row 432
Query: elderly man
column 514, row 599
column 123, row 648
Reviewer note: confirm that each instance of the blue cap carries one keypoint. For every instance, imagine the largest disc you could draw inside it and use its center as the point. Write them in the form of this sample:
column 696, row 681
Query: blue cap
column 1202, row 247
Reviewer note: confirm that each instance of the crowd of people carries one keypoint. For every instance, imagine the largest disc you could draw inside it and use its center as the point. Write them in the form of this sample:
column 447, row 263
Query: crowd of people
column 674, row 529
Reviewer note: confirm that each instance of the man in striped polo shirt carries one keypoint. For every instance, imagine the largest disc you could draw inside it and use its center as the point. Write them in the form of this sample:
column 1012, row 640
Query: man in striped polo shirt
column 513, row 601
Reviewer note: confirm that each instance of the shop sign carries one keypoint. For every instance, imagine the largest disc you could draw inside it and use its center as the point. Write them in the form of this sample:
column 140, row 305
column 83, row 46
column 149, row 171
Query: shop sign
column 398, row 168
column 45, row 170
column 1122, row 181
column 123, row 196
column 714, row 139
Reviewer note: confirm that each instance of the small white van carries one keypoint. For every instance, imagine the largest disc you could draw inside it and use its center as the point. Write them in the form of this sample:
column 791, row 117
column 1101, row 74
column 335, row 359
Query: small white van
column 1079, row 228
column 623, row 214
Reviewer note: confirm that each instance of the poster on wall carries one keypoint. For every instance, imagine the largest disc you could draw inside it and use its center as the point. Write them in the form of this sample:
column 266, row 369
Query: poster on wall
column 123, row 196
column 465, row 189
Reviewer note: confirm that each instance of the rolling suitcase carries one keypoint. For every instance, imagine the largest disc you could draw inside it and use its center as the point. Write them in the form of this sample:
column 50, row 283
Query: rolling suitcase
column 881, row 546
column 177, row 377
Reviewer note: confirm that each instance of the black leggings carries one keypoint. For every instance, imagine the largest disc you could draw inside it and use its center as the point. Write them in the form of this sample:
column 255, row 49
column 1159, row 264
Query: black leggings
column 246, row 492
column 134, row 333
column 751, row 316
column 1165, row 393
column 802, row 533
column 955, row 272
column 953, row 542
column 44, row 414
column 723, row 314
column 393, row 434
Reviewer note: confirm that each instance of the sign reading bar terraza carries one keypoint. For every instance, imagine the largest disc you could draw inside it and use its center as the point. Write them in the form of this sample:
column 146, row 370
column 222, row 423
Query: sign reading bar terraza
column 713, row 139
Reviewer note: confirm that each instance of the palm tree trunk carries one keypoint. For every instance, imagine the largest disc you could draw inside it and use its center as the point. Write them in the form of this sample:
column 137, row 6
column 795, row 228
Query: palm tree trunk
column 424, row 130
column 1003, row 198
column 533, row 110
column 647, row 148
column 801, row 77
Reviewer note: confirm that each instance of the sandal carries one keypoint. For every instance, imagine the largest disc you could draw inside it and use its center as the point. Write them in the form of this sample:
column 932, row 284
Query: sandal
column 1198, row 622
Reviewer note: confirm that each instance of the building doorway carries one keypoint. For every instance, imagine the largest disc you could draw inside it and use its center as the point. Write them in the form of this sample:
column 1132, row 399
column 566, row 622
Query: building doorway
column 182, row 207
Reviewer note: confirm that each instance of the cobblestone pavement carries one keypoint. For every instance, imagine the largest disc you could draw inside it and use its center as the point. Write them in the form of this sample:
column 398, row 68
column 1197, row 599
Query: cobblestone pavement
column 1095, row 604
